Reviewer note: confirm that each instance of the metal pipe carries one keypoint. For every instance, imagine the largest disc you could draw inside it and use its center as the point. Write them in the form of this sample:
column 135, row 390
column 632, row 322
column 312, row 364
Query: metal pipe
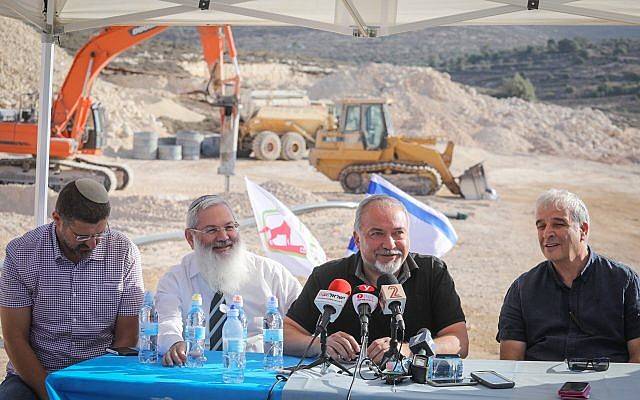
column 251, row 222
column 44, row 124
column 245, row 223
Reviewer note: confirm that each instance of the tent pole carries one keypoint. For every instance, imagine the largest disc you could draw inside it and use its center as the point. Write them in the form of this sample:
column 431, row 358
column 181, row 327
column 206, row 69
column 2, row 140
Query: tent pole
column 44, row 122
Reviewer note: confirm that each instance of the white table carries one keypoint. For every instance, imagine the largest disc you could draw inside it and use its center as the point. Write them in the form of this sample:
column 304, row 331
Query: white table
column 534, row 380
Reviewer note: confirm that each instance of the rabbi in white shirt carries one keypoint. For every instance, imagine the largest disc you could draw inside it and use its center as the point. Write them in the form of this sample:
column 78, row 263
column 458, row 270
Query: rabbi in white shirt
column 218, row 268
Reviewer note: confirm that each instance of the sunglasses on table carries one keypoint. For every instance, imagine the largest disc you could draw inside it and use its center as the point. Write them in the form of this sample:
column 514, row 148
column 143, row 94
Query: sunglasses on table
column 588, row 364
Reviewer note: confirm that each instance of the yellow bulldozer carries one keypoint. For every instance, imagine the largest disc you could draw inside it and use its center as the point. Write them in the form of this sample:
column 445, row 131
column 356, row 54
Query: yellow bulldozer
column 364, row 143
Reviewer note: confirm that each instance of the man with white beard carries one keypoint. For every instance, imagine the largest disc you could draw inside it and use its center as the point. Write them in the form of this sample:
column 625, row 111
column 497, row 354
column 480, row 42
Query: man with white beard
column 217, row 269
column 381, row 232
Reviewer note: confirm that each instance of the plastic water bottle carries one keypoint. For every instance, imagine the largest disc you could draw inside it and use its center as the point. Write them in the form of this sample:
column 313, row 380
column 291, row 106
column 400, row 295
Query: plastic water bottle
column 273, row 336
column 148, row 336
column 233, row 348
column 237, row 301
column 195, row 332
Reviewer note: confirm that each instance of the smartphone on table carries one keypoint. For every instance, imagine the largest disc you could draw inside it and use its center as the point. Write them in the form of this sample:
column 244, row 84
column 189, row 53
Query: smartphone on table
column 575, row 390
column 492, row 379
column 447, row 383
column 122, row 351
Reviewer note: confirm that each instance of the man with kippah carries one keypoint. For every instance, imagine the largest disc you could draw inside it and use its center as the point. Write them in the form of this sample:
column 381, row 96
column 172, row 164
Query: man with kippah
column 68, row 290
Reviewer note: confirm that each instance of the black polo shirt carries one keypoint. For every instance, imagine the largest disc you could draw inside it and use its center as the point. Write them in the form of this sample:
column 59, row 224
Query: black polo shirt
column 432, row 301
column 596, row 317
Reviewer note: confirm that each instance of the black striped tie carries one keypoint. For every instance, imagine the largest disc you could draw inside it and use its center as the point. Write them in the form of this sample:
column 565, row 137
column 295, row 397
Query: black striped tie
column 216, row 321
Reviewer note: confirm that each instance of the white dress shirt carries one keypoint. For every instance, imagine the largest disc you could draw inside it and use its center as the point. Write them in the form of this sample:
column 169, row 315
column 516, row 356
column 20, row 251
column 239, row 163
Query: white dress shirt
column 266, row 278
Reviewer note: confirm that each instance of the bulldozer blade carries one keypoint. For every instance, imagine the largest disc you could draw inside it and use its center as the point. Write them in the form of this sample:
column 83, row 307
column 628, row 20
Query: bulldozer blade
column 473, row 184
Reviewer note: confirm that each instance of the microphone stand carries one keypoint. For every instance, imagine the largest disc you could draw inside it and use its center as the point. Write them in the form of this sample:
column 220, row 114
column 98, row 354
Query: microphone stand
column 323, row 359
column 393, row 351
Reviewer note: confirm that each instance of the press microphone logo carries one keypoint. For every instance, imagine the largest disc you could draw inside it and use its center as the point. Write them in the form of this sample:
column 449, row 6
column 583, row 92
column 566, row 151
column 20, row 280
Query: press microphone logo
column 394, row 292
column 366, row 288
column 330, row 295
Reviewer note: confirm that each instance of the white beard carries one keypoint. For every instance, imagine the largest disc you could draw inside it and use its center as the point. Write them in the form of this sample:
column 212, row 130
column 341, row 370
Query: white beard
column 225, row 273
column 389, row 268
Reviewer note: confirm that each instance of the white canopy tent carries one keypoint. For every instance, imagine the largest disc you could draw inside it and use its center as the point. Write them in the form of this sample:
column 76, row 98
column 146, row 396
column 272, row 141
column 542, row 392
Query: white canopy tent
column 361, row 18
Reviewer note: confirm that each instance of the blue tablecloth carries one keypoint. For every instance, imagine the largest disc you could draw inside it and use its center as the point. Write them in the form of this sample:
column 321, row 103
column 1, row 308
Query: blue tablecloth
column 116, row 377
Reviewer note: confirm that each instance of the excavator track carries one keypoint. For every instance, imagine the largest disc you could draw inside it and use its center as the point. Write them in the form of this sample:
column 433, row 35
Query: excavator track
column 419, row 179
column 23, row 171
column 124, row 174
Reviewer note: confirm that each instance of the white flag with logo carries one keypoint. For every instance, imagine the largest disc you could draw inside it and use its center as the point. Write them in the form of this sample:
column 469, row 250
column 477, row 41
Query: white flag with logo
column 429, row 230
column 284, row 237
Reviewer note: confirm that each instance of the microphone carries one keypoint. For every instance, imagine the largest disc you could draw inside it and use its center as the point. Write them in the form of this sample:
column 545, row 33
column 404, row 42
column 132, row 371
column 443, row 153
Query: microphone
column 364, row 301
column 330, row 303
column 422, row 343
column 392, row 297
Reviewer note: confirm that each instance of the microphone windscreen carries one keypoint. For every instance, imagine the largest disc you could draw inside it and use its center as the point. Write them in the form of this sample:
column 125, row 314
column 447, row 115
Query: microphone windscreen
column 387, row 279
column 340, row 285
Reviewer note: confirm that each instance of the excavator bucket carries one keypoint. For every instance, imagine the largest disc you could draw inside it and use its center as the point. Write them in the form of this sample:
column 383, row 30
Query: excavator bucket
column 473, row 184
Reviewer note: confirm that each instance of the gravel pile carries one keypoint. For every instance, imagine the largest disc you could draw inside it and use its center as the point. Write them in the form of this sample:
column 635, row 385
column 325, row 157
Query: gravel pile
column 426, row 102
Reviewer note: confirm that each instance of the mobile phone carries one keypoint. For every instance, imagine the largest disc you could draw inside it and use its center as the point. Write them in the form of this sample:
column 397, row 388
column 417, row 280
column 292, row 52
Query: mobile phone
column 122, row 351
column 575, row 390
column 446, row 383
column 492, row 379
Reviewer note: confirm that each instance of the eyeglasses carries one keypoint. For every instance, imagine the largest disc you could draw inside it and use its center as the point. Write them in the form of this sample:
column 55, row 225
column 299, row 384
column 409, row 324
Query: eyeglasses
column 592, row 364
column 214, row 230
column 97, row 236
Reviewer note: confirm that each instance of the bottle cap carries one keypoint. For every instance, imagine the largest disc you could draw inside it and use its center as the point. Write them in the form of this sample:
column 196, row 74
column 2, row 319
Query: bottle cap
column 237, row 299
column 272, row 302
column 148, row 298
column 196, row 299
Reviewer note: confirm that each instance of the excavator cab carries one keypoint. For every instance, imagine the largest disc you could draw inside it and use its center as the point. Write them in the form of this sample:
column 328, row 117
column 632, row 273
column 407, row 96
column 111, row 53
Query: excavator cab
column 93, row 137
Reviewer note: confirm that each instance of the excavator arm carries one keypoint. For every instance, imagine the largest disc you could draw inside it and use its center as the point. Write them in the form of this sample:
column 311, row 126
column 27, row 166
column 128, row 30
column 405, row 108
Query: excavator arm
column 216, row 43
column 72, row 104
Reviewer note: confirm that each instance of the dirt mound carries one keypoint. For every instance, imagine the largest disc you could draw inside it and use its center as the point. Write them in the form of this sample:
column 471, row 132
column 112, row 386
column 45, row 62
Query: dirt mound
column 20, row 62
column 426, row 102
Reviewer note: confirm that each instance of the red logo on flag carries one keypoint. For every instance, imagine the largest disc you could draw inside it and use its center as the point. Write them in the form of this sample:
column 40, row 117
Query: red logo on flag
column 283, row 230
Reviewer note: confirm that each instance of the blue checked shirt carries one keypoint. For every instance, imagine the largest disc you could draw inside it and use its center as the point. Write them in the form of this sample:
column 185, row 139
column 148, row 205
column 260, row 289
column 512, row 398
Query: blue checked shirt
column 74, row 306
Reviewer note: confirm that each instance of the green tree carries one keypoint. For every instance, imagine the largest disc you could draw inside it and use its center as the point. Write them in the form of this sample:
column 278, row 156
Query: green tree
column 568, row 46
column 518, row 86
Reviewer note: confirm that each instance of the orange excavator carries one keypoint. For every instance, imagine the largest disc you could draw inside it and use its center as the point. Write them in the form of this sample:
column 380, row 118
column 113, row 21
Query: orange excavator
column 78, row 121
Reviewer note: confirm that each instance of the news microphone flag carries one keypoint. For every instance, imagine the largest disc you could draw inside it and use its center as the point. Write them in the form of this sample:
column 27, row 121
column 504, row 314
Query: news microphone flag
column 430, row 231
column 283, row 236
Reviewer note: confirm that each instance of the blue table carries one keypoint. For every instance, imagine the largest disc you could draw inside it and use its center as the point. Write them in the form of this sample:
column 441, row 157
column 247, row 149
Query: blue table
column 116, row 377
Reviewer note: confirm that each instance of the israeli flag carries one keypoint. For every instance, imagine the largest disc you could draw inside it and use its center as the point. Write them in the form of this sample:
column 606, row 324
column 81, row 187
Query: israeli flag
column 430, row 231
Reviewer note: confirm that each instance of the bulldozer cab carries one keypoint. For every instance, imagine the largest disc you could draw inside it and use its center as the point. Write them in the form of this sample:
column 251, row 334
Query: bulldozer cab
column 366, row 122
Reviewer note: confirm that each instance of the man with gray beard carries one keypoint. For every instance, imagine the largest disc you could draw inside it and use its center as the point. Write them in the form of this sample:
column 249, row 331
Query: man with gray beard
column 381, row 232
column 218, row 268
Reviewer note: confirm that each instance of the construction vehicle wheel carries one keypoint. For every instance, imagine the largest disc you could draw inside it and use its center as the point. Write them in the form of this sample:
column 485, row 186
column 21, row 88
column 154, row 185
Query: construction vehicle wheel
column 266, row 146
column 293, row 146
column 353, row 181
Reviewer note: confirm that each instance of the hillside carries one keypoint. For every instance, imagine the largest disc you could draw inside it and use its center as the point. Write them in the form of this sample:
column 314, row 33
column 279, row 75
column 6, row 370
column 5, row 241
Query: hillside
column 604, row 75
